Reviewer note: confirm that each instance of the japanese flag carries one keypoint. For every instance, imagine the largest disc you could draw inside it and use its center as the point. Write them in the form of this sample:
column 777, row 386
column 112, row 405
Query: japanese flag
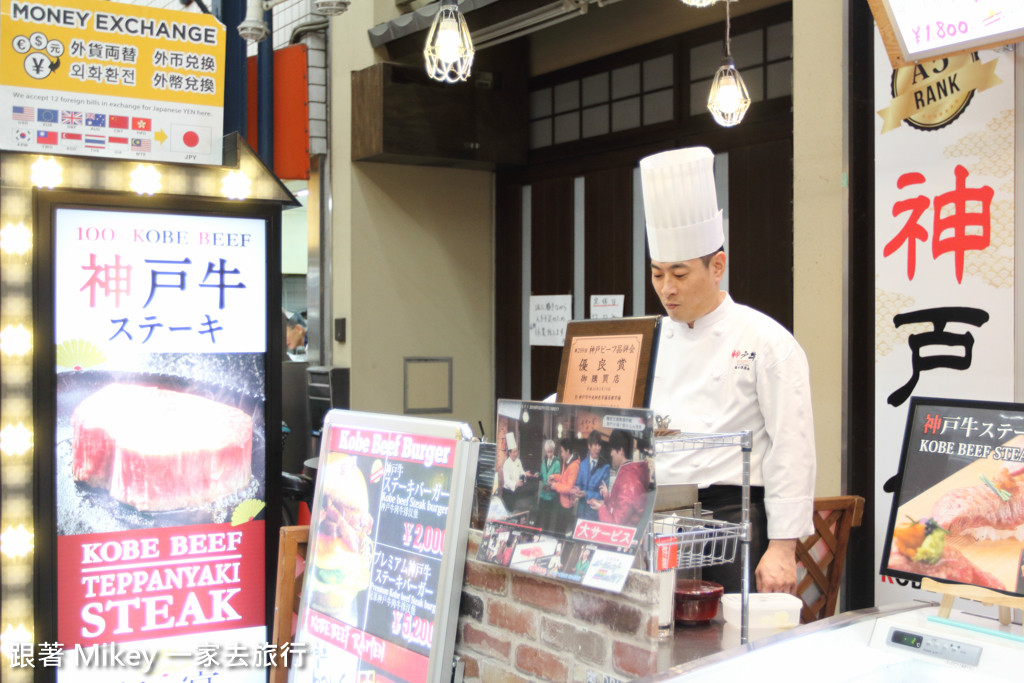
column 191, row 139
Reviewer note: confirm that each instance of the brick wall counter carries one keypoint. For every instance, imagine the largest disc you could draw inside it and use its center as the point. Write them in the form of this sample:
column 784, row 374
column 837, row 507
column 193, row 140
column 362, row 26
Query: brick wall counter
column 514, row 627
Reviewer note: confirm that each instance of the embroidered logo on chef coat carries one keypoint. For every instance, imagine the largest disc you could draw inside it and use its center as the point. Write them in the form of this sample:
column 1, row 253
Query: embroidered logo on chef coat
column 743, row 360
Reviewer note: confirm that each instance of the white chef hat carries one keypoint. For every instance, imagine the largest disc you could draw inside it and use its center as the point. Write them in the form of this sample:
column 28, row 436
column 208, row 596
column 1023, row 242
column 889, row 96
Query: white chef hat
column 510, row 441
column 680, row 205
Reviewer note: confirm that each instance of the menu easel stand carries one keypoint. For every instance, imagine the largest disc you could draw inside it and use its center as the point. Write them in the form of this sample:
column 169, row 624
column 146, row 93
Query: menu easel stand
column 985, row 596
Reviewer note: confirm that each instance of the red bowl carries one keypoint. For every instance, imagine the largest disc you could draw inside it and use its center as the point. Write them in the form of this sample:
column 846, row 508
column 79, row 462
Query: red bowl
column 696, row 601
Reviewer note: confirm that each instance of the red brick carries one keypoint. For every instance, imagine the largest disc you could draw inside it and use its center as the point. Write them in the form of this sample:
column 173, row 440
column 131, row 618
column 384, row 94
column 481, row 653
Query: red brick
column 507, row 616
column 543, row 664
column 486, row 642
column 472, row 669
column 652, row 627
column 472, row 543
column 488, row 577
column 543, row 594
column 634, row 661
column 471, row 606
column 589, row 607
column 578, row 643
column 492, row 672
column 642, row 587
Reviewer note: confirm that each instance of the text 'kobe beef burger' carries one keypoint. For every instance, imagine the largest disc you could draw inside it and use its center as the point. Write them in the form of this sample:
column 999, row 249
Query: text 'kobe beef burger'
column 344, row 551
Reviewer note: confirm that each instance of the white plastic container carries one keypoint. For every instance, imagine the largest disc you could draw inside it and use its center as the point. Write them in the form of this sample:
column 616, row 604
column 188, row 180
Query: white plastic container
column 774, row 611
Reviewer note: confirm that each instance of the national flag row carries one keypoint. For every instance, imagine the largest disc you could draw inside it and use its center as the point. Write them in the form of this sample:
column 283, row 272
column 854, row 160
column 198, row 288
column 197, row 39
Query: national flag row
column 77, row 118
column 91, row 141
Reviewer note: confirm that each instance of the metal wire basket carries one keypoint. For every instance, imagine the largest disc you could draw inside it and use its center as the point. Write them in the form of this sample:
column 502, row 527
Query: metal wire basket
column 676, row 542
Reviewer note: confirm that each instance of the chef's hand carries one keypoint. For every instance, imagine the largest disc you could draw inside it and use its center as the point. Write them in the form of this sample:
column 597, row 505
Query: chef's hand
column 603, row 490
column 776, row 572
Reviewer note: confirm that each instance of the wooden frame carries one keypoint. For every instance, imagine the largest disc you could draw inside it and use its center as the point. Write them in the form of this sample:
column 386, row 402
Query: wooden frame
column 623, row 351
column 292, row 546
column 823, row 554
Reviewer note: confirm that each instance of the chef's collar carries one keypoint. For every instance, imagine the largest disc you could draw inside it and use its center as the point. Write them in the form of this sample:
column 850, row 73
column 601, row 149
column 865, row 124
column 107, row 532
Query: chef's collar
column 705, row 321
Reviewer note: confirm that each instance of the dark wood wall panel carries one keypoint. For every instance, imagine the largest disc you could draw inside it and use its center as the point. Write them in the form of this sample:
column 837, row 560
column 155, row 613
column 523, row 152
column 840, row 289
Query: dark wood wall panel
column 551, row 212
column 760, row 253
column 508, row 247
column 608, row 237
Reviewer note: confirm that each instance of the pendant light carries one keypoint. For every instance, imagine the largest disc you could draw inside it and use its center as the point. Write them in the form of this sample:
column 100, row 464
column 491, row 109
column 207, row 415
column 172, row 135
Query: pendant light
column 449, row 50
column 728, row 100
column 699, row 3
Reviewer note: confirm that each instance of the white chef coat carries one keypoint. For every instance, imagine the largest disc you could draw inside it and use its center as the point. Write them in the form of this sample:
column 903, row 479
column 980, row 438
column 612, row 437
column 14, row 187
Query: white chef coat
column 738, row 369
column 511, row 471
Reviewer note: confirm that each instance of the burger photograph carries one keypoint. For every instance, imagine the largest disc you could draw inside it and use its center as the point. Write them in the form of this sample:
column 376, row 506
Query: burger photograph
column 343, row 550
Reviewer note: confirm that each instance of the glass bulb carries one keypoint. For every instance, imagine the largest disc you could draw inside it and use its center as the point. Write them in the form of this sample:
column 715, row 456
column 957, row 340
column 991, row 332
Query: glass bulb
column 16, row 543
column 15, row 439
column 448, row 40
column 728, row 97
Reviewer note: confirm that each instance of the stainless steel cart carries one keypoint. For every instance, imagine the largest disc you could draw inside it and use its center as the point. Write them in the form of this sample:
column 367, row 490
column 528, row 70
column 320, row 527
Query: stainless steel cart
column 675, row 542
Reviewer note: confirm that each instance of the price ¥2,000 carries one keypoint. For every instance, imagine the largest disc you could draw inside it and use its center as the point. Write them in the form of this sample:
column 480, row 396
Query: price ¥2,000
column 423, row 539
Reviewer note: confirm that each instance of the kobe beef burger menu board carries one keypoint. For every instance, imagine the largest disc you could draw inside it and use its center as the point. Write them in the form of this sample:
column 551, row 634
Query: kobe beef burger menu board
column 160, row 335
column 387, row 545
column 958, row 512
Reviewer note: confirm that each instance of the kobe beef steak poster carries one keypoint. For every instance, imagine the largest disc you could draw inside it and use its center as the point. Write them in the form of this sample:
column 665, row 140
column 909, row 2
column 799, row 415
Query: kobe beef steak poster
column 958, row 513
column 160, row 334
column 387, row 545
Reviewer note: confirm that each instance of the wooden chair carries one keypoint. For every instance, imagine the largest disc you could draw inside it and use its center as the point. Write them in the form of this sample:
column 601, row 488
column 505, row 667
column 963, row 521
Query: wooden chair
column 292, row 546
column 821, row 556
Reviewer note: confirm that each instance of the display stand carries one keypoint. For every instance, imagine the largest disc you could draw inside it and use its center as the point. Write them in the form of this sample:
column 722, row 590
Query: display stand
column 985, row 596
column 699, row 542
column 291, row 547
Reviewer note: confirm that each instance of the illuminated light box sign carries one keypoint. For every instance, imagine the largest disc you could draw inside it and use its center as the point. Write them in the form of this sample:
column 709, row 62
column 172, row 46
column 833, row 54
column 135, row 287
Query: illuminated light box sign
column 160, row 457
column 958, row 509
column 96, row 78
column 916, row 30
column 387, row 547
column 575, row 491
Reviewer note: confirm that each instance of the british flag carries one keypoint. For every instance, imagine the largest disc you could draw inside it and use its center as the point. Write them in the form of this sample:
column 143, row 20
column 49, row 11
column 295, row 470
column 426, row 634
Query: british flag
column 71, row 118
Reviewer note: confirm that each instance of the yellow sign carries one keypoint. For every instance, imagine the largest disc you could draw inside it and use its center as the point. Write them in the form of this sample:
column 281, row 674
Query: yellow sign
column 933, row 94
column 97, row 77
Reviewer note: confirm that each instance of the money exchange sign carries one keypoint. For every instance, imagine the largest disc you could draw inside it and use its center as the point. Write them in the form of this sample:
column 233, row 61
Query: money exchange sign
column 93, row 78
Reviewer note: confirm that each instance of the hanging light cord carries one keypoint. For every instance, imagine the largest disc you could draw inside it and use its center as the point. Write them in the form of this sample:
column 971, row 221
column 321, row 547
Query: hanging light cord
column 728, row 50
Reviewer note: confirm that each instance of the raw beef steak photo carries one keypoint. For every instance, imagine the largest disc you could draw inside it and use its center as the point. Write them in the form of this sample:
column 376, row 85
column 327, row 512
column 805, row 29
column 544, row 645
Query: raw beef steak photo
column 159, row 449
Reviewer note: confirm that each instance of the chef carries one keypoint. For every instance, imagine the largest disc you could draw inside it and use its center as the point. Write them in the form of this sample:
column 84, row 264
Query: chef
column 724, row 367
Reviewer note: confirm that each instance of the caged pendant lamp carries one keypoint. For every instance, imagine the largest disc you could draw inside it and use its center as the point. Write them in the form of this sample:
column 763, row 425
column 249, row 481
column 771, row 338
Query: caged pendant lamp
column 449, row 51
column 728, row 100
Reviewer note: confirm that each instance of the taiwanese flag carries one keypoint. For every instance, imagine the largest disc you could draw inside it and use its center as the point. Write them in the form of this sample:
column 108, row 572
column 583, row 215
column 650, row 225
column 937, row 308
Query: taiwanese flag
column 117, row 141
column 117, row 122
column 46, row 137
column 142, row 124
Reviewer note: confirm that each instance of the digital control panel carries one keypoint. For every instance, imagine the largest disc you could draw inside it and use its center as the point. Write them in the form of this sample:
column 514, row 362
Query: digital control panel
column 952, row 650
